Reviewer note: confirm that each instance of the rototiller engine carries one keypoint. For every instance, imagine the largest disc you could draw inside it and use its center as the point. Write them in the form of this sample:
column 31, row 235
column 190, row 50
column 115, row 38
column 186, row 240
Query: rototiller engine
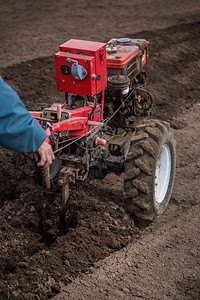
column 103, row 126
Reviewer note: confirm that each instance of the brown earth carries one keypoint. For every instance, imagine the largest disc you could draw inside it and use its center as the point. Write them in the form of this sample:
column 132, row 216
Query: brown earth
column 95, row 250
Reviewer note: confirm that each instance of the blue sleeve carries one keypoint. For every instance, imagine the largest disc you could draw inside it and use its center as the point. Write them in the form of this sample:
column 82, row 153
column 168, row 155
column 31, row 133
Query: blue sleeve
column 19, row 131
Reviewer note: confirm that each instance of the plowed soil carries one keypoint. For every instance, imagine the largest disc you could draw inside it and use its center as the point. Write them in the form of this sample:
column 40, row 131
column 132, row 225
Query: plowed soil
column 95, row 249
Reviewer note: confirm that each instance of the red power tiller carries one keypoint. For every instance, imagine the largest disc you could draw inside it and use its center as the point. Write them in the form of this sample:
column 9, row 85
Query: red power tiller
column 103, row 126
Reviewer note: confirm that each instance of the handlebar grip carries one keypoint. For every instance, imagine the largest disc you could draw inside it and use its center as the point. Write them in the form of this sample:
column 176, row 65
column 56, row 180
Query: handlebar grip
column 46, row 172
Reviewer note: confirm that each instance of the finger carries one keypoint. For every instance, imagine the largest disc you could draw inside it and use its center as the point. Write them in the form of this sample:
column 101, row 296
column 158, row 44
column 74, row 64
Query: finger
column 42, row 161
column 48, row 161
column 52, row 156
column 50, row 152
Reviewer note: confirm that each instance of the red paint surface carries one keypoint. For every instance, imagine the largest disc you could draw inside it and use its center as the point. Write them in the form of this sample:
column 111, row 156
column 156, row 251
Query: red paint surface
column 90, row 55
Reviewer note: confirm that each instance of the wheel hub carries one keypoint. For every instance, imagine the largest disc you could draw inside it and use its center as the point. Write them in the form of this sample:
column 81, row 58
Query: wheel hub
column 162, row 176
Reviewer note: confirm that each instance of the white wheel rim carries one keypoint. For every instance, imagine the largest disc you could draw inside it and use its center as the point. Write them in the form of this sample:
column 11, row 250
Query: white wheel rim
column 163, row 171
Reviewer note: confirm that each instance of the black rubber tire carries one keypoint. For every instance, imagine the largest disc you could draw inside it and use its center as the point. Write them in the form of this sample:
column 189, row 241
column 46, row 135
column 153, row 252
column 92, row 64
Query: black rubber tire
column 140, row 169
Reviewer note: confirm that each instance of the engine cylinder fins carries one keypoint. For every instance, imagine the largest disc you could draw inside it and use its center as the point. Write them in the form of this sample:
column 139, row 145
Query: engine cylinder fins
column 118, row 85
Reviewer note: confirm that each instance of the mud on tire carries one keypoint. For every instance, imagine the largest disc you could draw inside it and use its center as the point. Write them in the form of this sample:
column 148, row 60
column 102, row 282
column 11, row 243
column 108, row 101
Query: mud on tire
column 150, row 170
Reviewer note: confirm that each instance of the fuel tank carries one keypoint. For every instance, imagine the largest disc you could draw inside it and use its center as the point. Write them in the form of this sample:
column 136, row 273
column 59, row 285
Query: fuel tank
column 125, row 56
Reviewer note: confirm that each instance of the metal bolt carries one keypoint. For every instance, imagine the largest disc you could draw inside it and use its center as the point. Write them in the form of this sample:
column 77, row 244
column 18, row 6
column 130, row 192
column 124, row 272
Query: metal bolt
column 74, row 82
column 66, row 117
column 63, row 81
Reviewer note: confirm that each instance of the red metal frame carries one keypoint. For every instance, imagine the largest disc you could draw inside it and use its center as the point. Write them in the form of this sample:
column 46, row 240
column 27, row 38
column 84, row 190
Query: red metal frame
column 67, row 83
column 77, row 123
column 90, row 55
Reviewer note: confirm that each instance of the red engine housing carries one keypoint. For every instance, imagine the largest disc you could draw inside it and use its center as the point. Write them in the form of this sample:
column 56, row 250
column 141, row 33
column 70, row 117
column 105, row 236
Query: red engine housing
column 81, row 69
column 91, row 56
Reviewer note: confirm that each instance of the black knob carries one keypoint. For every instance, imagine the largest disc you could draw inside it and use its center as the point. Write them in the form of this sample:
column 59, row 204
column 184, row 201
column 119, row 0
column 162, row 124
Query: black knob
column 65, row 69
column 98, row 77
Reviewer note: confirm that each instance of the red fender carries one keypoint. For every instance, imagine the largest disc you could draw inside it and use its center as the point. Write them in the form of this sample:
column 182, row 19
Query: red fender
column 76, row 123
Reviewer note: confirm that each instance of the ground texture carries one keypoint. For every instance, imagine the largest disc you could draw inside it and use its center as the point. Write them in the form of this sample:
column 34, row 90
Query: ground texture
column 95, row 250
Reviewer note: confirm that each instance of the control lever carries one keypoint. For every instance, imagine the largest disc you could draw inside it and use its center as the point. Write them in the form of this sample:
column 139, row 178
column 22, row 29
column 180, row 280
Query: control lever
column 78, row 71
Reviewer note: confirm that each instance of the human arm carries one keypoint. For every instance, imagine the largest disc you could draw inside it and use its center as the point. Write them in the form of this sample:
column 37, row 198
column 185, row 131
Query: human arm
column 19, row 131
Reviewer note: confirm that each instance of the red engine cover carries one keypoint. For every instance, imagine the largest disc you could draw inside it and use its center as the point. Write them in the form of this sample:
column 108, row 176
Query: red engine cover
column 126, row 50
column 91, row 56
